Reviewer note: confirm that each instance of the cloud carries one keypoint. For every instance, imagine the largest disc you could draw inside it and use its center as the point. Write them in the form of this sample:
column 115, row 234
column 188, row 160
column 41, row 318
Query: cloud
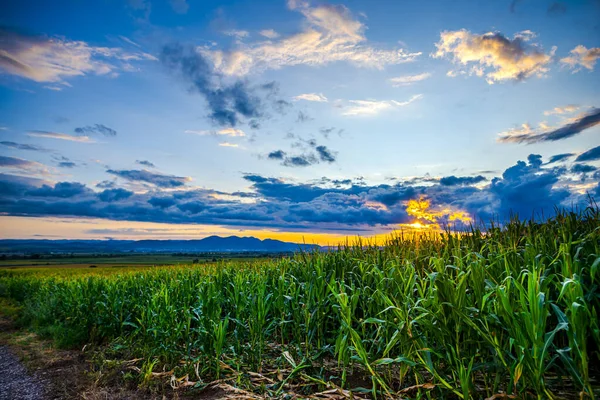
column 276, row 155
column 325, row 154
column 407, row 80
column 583, row 168
column 557, row 8
column 96, row 129
column 461, row 180
column 373, row 107
column 23, row 146
column 145, row 163
column 227, row 144
column 327, row 131
column 61, row 136
column 67, row 164
column 61, row 190
column 156, row 179
column 23, row 165
column 559, row 157
column 303, row 117
column 180, row 6
column 228, row 102
column 527, row 188
column 312, row 154
column 302, row 160
column 572, row 127
column 330, row 34
column 54, row 59
column 110, row 195
column 269, row 33
column 562, row 110
column 238, row 34
column 493, row 55
column 318, row 97
column 581, row 57
column 231, row 132
column 590, row 155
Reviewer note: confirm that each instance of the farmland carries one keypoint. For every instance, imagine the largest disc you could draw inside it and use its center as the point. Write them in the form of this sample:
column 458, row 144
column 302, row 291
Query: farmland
column 512, row 311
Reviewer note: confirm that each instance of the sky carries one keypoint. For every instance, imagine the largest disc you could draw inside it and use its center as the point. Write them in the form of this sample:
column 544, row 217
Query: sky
column 300, row 120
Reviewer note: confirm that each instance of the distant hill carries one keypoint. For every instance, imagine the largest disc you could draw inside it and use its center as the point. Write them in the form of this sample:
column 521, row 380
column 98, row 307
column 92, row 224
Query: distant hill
column 208, row 244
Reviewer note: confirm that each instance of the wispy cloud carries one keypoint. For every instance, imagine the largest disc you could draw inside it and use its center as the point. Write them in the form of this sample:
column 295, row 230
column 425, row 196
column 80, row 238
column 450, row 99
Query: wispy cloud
column 227, row 144
column 571, row 127
column 145, row 163
column 231, row 132
column 22, row 165
column 331, row 34
column 409, row 79
column 590, row 155
column 238, row 34
column 373, row 107
column 229, row 102
column 61, row 136
column 493, row 55
column 318, row 97
column 23, row 146
column 54, row 59
column 153, row 178
column 269, row 33
column 582, row 57
column 562, row 110
column 221, row 132
column 96, row 129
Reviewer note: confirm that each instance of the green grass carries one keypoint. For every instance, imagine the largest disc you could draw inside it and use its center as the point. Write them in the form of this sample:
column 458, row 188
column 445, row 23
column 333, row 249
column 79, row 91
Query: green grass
column 512, row 310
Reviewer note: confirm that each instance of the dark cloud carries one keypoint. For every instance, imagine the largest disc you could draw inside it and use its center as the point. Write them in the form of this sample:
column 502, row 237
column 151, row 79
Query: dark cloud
column 559, row 157
column 557, row 8
column 106, row 184
column 110, row 195
column 461, row 180
column 23, row 146
column 312, row 154
column 326, row 132
column 67, row 164
column 276, row 155
column 578, row 125
column 303, row 117
column 303, row 160
column 159, row 180
column 96, row 129
column 60, row 119
column 583, row 168
column 61, row 190
column 590, row 155
column 145, row 163
column 325, row 154
column 229, row 103
column 527, row 188
column 513, row 5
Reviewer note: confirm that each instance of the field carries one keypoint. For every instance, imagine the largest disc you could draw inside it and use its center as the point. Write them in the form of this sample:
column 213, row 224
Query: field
column 506, row 313
column 119, row 260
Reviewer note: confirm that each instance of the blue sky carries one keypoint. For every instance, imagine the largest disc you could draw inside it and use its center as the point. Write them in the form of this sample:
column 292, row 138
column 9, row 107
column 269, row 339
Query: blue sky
column 164, row 118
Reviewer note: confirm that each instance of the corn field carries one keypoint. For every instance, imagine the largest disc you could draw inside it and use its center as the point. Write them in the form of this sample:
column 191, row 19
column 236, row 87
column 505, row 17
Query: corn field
column 511, row 312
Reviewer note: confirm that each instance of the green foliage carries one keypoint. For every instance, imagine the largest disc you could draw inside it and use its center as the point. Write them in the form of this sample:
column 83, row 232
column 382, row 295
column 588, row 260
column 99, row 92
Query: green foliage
column 469, row 315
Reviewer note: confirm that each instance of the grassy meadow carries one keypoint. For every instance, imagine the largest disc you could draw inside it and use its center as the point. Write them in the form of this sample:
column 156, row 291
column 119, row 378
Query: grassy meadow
column 507, row 313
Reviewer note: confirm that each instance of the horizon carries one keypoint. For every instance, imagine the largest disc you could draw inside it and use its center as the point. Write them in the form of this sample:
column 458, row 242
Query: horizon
column 300, row 121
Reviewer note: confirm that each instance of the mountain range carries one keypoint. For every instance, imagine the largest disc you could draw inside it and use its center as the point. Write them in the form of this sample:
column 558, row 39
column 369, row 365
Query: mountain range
column 208, row 244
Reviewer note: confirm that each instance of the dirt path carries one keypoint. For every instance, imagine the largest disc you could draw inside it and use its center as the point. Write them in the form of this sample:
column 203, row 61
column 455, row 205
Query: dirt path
column 15, row 382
